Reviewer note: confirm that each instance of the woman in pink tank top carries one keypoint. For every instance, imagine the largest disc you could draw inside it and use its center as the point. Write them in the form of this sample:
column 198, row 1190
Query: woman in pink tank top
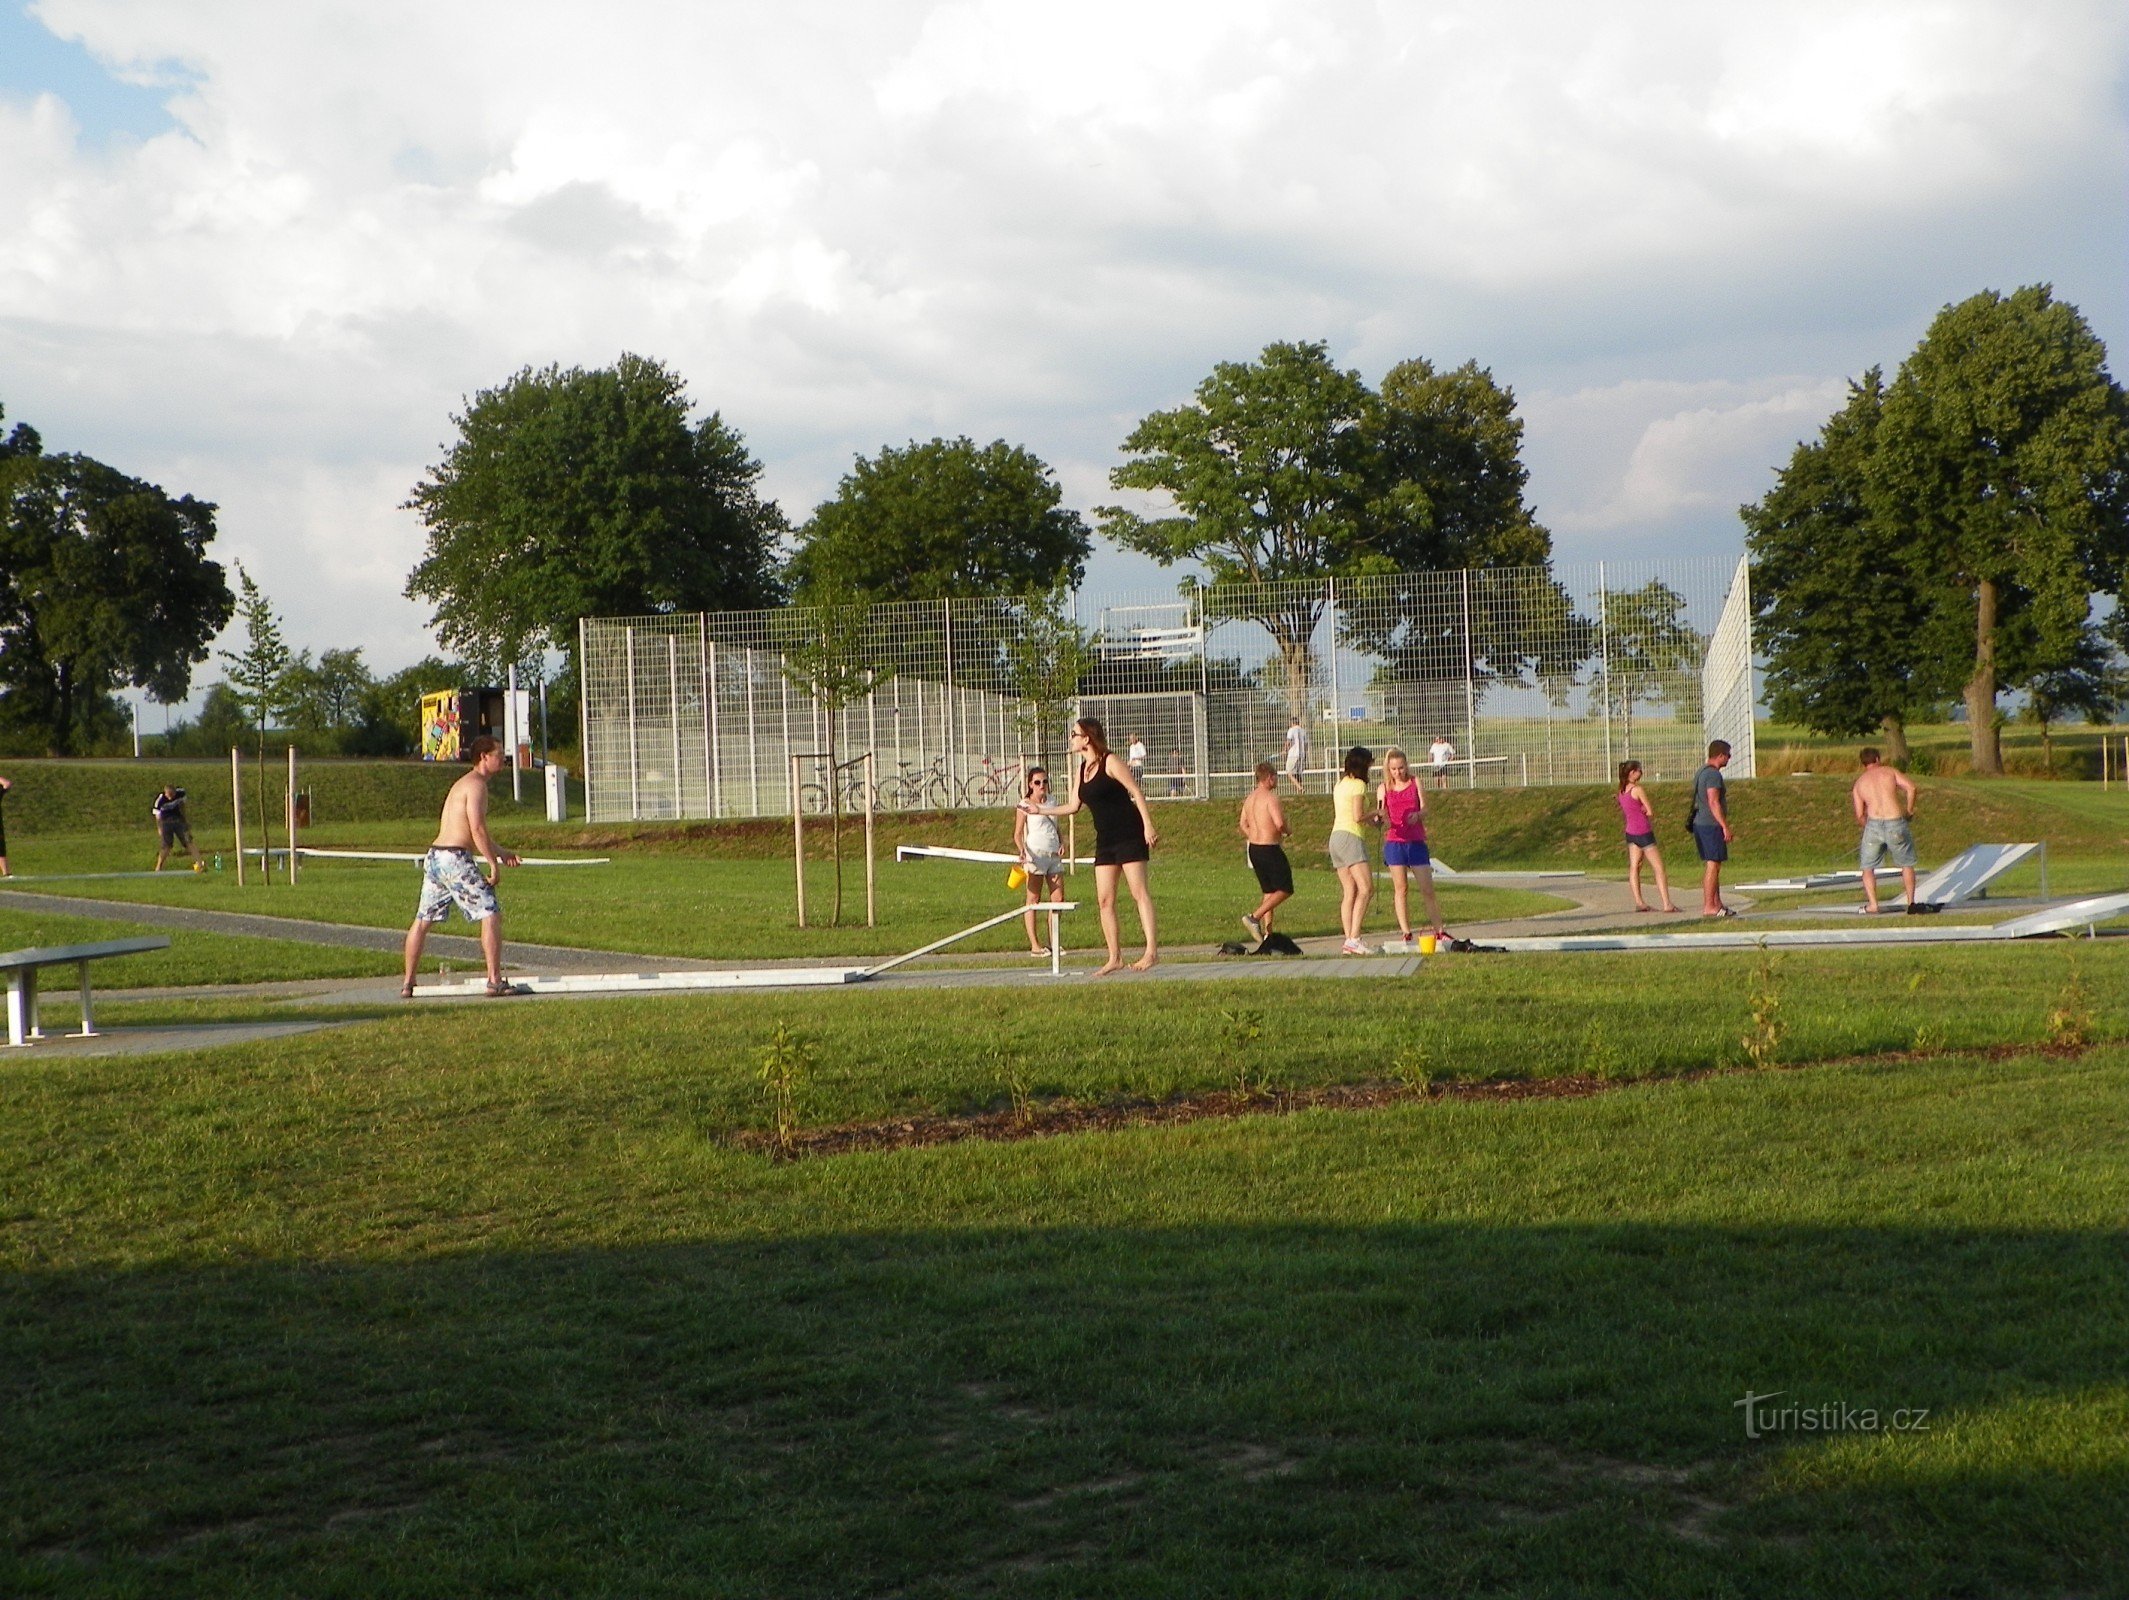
column 1640, row 837
column 1404, row 842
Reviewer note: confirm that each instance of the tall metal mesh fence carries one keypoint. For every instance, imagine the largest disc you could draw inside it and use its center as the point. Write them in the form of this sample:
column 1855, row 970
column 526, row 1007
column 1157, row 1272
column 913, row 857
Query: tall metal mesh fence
column 1531, row 675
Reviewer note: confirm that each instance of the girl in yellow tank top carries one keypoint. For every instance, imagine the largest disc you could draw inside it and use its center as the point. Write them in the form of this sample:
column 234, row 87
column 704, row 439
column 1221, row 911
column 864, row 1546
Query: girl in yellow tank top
column 1349, row 846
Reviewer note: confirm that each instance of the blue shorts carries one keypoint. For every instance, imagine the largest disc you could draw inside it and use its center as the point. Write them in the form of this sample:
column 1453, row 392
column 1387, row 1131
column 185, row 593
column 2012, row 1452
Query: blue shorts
column 1403, row 853
column 1711, row 844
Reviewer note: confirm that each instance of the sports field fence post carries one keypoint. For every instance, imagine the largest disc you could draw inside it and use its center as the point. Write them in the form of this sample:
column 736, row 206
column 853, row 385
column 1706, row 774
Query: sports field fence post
column 1604, row 647
column 236, row 806
column 512, row 730
column 872, row 775
column 291, row 803
column 798, row 842
column 635, row 760
column 1332, row 784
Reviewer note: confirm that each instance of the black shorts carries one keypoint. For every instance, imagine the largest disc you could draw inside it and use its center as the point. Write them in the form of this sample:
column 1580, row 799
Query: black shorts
column 1647, row 841
column 1123, row 853
column 173, row 833
column 1275, row 874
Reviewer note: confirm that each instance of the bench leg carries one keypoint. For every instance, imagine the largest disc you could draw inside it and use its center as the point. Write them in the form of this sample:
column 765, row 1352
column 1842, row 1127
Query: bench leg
column 22, row 1025
column 88, row 1017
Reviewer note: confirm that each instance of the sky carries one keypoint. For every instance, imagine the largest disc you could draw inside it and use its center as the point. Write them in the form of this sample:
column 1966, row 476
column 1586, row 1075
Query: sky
column 262, row 253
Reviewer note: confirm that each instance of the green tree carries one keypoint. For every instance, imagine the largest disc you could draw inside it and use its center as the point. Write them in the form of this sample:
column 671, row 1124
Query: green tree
column 1290, row 471
column 574, row 493
column 1652, row 651
column 387, row 714
column 941, row 521
column 258, row 676
column 104, row 582
column 218, row 729
column 1267, row 471
column 1447, row 460
column 1854, row 638
column 1047, row 654
column 833, row 652
column 2001, row 469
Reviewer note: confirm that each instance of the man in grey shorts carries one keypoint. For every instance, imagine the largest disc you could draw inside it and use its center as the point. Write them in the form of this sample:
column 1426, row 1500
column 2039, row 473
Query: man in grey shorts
column 1884, row 800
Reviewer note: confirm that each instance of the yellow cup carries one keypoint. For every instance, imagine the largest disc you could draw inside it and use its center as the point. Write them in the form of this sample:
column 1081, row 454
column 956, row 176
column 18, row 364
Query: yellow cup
column 1017, row 878
column 1426, row 944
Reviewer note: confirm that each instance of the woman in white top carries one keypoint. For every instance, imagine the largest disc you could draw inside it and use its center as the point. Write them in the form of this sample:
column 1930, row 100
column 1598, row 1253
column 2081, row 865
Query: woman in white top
column 1041, row 853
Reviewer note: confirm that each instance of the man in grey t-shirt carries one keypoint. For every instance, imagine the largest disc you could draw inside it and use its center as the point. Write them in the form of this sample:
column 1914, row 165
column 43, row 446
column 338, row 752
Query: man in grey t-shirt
column 1711, row 827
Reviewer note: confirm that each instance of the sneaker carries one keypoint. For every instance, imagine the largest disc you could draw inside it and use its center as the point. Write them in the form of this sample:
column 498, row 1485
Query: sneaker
column 1255, row 927
column 1353, row 947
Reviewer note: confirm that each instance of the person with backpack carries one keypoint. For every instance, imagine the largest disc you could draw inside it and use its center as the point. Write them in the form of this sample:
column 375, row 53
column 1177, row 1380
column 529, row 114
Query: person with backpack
column 1710, row 822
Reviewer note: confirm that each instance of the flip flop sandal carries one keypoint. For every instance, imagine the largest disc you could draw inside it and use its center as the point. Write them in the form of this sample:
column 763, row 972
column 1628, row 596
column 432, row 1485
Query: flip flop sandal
column 406, row 991
column 501, row 991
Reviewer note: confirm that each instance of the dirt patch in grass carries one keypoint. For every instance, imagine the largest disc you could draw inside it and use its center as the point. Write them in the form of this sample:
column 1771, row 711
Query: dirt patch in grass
column 1048, row 1119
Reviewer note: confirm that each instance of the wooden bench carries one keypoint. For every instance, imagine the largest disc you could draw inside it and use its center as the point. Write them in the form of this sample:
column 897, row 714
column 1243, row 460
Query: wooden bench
column 22, row 967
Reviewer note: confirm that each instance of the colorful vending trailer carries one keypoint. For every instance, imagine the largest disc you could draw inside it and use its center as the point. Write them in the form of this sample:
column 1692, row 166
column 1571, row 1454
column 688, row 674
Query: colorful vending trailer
column 451, row 719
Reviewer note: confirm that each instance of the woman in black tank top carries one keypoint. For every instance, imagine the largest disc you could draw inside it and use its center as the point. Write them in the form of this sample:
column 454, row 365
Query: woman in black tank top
column 1124, row 837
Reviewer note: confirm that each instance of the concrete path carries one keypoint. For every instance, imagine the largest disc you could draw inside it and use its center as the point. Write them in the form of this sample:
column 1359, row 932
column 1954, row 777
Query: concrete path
column 249, row 925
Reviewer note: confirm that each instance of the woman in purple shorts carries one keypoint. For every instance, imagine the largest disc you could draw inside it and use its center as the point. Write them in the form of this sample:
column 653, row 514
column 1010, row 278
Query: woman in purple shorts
column 1640, row 837
column 1403, row 805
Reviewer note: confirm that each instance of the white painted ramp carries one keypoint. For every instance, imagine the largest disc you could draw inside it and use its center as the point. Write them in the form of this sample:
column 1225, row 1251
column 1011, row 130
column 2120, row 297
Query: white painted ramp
column 1915, row 932
column 1971, row 871
column 2070, row 918
column 2067, row 919
column 653, row 982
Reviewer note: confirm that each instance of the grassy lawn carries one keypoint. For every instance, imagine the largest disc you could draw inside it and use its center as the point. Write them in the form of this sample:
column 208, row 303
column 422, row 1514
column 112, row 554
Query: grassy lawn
column 417, row 1308
column 702, row 905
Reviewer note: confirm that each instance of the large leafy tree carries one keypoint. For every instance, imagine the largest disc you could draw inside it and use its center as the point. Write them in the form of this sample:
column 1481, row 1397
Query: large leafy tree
column 1853, row 635
column 2001, row 471
column 938, row 521
column 104, row 581
column 572, row 493
column 1652, row 652
column 1290, row 468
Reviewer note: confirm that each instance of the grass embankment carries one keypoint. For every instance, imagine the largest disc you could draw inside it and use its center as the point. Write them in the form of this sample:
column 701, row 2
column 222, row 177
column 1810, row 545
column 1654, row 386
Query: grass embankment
column 418, row 1307
column 1945, row 750
column 112, row 797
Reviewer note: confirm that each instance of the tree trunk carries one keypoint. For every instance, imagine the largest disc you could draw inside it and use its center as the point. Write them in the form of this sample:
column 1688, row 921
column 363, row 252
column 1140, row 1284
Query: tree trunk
column 1893, row 730
column 1985, row 741
column 63, row 728
column 266, row 838
column 835, row 822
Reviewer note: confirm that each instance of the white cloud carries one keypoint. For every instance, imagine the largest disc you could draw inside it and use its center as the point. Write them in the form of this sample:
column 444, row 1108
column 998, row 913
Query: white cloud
column 1674, row 228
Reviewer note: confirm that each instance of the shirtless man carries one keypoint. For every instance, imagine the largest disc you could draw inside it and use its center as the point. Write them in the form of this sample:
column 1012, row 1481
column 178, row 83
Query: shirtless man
column 450, row 878
column 1264, row 825
column 1884, row 800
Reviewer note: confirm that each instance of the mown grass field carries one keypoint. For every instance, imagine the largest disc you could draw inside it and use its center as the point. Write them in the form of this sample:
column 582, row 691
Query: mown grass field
column 491, row 1300
column 418, row 1308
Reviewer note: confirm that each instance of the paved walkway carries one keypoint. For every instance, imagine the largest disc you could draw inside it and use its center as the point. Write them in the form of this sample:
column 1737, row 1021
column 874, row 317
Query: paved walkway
column 249, row 925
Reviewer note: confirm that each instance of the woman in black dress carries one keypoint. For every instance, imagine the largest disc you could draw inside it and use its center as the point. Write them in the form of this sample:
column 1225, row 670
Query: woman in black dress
column 1124, row 837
